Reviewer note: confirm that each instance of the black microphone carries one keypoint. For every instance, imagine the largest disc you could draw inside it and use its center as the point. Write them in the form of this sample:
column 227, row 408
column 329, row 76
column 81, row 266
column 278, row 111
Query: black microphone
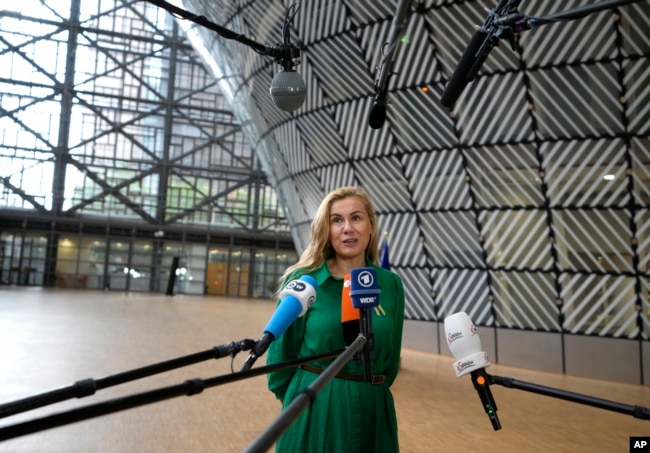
column 364, row 291
column 469, row 62
column 479, row 47
column 465, row 345
column 377, row 116
column 378, row 111
column 295, row 299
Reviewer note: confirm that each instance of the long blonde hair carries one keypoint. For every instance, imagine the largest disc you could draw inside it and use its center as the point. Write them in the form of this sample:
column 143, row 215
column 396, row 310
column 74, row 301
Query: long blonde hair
column 319, row 248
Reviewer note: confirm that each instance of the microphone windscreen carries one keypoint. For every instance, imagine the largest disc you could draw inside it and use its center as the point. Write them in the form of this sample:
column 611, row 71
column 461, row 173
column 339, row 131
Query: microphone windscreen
column 349, row 315
column 348, row 312
column 296, row 298
column 459, row 78
column 465, row 344
column 286, row 313
column 309, row 280
column 462, row 336
column 364, row 288
column 288, row 90
column 377, row 116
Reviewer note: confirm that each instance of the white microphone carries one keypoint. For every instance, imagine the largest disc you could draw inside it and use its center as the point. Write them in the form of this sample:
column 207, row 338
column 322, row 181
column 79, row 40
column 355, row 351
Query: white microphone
column 465, row 345
column 295, row 299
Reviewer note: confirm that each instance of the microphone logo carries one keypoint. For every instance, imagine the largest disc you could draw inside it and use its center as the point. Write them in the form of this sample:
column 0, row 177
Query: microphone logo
column 364, row 287
column 454, row 336
column 365, row 279
column 463, row 365
column 296, row 285
column 299, row 286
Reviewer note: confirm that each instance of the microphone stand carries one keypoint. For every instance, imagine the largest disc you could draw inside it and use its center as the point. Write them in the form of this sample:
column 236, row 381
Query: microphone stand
column 284, row 54
column 636, row 411
column 365, row 321
column 189, row 388
column 522, row 22
column 87, row 387
column 304, row 399
column 513, row 22
column 504, row 22
column 378, row 110
column 481, row 382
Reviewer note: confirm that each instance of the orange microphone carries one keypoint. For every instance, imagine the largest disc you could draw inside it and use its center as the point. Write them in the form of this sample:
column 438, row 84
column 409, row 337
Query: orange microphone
column 349, row 314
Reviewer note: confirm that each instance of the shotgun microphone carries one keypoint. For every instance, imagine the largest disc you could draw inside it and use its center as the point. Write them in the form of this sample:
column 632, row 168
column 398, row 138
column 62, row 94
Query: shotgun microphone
column 378, row 111
column 484, row 39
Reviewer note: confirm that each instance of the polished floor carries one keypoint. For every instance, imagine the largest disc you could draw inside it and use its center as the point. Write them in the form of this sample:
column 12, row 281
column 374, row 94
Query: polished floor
column 53, row 338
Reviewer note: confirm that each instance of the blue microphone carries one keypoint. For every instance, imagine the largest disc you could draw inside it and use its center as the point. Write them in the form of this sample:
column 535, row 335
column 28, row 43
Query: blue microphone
column 295, row 300
column 364, row 289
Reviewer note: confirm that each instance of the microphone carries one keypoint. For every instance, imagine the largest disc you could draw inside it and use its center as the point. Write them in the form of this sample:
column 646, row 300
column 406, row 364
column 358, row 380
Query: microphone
column 350, row 317
column 364, row 292
column 288, row 88
column 465, row 345
column 377, row 116
column 364, row 289
column 466, row 70
column 479, row 47
column 378, row 111
column 295, row 299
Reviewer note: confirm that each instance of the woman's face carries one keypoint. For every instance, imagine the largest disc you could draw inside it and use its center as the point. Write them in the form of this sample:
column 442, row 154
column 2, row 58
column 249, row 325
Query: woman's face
column 349, row 228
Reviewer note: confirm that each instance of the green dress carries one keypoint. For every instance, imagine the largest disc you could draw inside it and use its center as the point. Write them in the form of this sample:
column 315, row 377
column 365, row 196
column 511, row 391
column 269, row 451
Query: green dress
column 347, row 415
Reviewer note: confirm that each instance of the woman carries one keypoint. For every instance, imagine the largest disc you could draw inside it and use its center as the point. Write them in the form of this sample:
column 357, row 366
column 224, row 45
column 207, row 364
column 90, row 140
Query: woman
column 349, row 414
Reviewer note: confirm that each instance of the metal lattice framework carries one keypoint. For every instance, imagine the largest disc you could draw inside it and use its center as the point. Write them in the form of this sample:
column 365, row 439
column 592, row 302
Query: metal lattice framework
column 120, row 155
column 527, row 206
column 107, row 111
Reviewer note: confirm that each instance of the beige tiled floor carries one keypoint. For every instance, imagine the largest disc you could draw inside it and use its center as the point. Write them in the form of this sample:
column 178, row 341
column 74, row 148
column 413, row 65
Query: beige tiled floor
column 52, row 338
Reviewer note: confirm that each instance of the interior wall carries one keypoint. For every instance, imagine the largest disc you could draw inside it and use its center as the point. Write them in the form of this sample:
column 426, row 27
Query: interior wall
column 612, row 359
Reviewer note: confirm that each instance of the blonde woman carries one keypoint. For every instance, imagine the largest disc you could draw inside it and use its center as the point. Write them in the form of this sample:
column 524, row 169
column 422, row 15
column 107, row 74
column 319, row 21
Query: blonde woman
column 349, row 414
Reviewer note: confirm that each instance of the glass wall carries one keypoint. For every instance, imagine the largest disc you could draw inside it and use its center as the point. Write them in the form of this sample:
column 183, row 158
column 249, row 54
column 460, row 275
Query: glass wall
column 119, row 153
column 134, row 264
column 239, row 271
column 22, row 257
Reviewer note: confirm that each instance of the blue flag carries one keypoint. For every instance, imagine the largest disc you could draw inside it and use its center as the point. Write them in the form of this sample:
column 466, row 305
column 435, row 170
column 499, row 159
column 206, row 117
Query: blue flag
column 385, row 261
